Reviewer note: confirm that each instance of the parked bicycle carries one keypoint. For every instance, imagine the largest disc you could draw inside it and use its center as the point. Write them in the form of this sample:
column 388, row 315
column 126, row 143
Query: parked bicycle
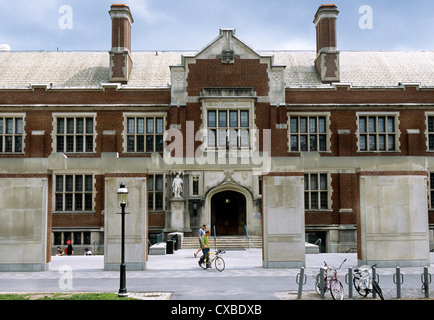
column 331, row 282
column 364, row 283
column 219, row 263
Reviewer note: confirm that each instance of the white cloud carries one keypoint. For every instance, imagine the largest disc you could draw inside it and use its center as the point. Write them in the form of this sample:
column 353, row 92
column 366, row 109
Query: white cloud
column 141, row 12
column 5, row 47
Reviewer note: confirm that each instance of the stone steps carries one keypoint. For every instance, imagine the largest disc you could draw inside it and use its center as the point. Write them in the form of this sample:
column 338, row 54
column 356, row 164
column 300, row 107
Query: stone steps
column 225, row 242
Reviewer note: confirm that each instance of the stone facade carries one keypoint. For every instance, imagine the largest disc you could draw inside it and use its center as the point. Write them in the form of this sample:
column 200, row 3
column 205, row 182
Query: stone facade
column 291, row 146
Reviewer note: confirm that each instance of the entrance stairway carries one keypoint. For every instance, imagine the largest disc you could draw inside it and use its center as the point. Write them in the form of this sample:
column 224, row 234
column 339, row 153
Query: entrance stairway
column 225, row 242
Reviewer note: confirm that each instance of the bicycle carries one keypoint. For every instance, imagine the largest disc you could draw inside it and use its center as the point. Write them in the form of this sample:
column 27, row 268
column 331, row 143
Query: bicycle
column 331, row 282
column 364, row 283
column 218, row 260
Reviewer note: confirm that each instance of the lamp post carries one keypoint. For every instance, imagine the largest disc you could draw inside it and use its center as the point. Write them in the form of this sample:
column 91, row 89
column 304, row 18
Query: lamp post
column 122, row 202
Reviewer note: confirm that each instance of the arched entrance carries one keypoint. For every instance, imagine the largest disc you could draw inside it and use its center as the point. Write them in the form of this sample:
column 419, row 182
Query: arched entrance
column 228, row 213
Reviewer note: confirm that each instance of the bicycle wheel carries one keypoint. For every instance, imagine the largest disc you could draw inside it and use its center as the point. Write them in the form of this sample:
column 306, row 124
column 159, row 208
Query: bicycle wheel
column 377, row 289
column 219, row 264
column 360, row 286
column 337, row 290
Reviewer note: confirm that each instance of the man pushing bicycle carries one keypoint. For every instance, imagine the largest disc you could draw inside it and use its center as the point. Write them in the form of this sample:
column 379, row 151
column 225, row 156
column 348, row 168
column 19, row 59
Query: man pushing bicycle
column 205, row 250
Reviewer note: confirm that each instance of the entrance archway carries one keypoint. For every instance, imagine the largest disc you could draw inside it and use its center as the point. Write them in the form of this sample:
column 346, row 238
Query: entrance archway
column 228, row 213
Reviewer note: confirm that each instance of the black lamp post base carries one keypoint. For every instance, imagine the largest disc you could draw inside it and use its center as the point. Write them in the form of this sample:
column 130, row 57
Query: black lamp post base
column 123, row 294
column 123, row 280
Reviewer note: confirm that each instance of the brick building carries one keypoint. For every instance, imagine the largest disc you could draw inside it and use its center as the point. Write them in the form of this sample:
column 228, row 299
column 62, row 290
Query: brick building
column 228, row 117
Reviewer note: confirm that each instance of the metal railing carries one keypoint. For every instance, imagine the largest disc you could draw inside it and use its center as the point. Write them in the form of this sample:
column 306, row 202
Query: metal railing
column 246, row 233
column 215, row 237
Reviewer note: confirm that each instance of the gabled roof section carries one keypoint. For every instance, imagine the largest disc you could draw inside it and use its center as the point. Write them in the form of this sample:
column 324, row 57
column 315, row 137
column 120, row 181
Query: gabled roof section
column 228, row 47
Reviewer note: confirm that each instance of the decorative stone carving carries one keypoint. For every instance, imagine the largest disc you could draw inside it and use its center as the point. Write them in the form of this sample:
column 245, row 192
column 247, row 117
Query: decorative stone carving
column 228, row 56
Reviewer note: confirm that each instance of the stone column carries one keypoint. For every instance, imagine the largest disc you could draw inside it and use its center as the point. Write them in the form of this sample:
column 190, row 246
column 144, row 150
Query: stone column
column 283, row 220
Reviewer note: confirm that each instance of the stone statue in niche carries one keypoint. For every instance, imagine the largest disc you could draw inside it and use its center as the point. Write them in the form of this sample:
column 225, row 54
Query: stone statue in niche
column 177, row 186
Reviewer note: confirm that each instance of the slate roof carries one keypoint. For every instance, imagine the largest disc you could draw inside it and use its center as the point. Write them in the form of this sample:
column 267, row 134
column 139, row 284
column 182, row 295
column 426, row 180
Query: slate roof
column 151, row 70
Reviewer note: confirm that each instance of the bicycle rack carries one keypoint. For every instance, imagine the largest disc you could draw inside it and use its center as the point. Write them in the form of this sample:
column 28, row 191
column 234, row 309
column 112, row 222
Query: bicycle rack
column 300, row 276
column 426, row 280
column 349, row 282
column 398, row 279
column 377, row 277
column 321, row 282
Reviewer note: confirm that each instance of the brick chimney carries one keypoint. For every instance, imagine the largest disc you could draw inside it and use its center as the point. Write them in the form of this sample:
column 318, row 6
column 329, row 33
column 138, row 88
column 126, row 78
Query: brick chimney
column 120, row 53
column 327, row 56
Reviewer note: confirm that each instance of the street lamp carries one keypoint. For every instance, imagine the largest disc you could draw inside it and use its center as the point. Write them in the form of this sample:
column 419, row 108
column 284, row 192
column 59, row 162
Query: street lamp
column 123, row 202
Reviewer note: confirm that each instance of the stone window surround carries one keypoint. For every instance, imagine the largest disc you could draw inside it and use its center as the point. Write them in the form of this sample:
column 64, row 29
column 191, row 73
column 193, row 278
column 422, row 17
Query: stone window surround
column 152, row 192
column 427, row 133
column 57, row 115
column 329, row 191
column 228, row 104
column 379, row 114
column 73, row 173
column 127, row 115
column 15, row 116
column 310, row 114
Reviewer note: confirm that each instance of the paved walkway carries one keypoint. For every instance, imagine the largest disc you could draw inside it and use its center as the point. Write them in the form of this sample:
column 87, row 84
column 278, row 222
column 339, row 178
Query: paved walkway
column 177, row 276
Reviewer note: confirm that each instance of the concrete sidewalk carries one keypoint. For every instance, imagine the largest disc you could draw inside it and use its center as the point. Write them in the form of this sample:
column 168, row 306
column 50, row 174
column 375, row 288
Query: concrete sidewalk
column 178, row 277
column 235, row 260
column 184, row 260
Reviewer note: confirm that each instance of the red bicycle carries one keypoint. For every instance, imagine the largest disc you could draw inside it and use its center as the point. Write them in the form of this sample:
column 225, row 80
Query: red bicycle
column 331, row 282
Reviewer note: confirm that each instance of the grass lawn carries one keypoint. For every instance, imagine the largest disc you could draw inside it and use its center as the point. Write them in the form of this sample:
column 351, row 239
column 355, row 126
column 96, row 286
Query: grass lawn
column 62, row 296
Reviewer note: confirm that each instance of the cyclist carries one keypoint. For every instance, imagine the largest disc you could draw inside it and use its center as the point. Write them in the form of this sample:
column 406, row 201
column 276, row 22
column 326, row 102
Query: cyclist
column 205, row 250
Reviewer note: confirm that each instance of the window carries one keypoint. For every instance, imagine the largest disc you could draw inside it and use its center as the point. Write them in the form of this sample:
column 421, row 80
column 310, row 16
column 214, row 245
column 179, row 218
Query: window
column 308, row 133
column 228, row 129
column 57, row 238
column 377, row 133
column 316, row 194
column 431, row 190
column 145, row 134
column 75, row 134
column 260, row 185
column 431, row 133
column 74, row 193
column 195, row 185
column 156, row 192
column 11, row 134
column 76, row 237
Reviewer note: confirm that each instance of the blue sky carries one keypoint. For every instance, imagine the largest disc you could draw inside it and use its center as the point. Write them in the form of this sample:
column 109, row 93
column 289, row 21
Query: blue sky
column 191, row 24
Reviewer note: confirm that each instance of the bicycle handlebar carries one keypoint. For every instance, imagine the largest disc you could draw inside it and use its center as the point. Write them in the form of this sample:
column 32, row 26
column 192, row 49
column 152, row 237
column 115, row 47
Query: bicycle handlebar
column 325, row 264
